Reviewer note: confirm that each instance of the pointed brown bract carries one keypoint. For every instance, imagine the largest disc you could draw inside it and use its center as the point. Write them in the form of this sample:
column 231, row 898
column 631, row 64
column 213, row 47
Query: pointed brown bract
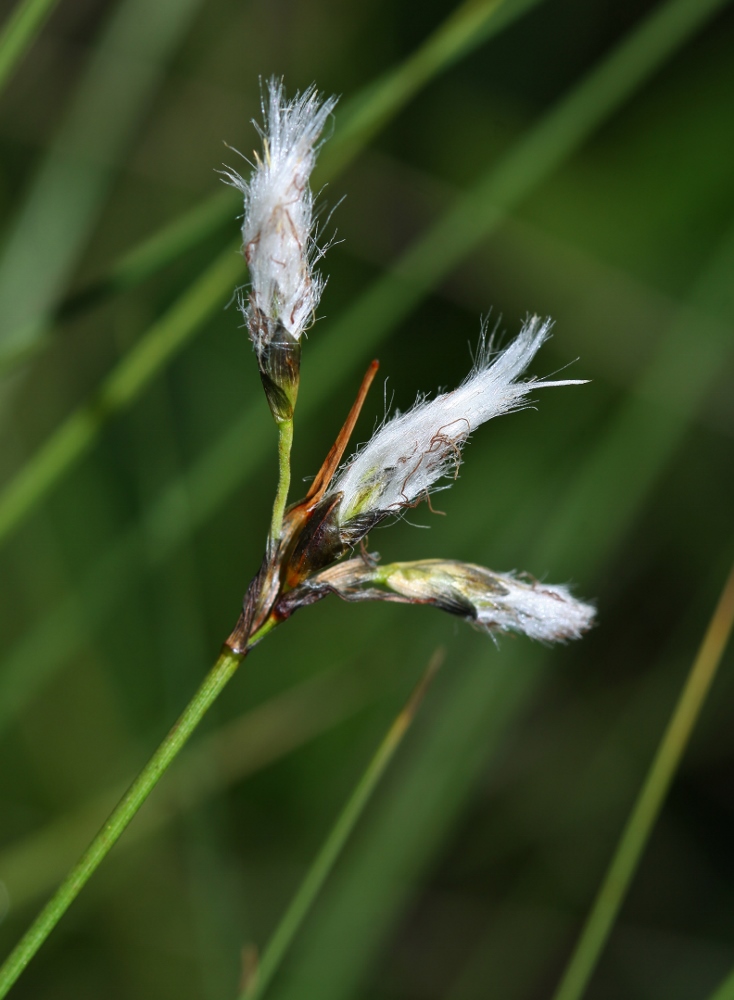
column 310, row 541
column 332, row 460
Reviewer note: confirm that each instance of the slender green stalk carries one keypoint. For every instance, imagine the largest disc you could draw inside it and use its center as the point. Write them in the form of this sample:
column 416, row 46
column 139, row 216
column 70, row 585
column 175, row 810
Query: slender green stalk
column 285, row 442
column 19, row 32
column 148, row 778
column 337, row 839
column 636, row 833
column 75, row 436
column 33, row 866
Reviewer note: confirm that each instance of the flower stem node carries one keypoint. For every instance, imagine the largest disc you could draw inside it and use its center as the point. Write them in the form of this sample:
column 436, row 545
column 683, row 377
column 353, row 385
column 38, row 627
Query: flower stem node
column 279, row 361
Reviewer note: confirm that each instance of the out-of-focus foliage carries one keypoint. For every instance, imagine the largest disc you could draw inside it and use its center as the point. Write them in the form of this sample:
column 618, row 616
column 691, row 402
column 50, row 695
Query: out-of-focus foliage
column 490, row 190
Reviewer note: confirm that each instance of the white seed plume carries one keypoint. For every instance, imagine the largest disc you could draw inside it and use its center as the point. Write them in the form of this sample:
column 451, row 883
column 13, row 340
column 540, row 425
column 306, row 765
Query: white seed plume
column 544, row 611
column 277, row 235
column 497, row 602
column 492, row 602
column 412, row 450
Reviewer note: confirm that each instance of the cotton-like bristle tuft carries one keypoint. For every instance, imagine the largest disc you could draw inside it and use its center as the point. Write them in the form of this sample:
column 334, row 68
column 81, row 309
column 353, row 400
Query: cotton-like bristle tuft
column 277, row 231
column 548, row 612
column 492, row 602
column 412, row 451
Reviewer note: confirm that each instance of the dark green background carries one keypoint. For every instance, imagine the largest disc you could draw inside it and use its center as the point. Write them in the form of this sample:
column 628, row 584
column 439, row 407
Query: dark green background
column 481, row 852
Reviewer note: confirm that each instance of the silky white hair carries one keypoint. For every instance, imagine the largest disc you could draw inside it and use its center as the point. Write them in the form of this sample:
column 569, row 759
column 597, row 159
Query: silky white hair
column 490, row 601
column 497, row 602
column 544, row 611
column 413, row 450
column 277, row 231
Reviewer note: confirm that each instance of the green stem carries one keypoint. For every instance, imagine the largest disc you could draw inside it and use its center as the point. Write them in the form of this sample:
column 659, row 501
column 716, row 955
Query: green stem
column 285, row 442
column 337, row 838
column 649, row 802
column 20, row 31
column 128, row 806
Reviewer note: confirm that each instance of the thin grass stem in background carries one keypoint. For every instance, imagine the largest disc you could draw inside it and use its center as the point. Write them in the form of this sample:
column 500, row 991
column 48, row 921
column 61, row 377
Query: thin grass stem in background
column 214, row 682
column 467, row 27
column 358, row 333
column 337, row 839
column 549, row 143
column 64, row 201
column 80, row 430
column 642, row 819
column 20, row 31
column 469, row 717
column 649, row 422
column 130, row 270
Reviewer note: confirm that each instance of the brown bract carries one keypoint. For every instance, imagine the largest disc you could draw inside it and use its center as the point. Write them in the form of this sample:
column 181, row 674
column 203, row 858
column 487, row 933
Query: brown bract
column 310, row 541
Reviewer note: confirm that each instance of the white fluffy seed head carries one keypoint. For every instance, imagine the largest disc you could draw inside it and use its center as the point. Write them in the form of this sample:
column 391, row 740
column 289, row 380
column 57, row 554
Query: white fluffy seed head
column 492, row 602
column 413, row 450
column 277, row 231
column 496, row 602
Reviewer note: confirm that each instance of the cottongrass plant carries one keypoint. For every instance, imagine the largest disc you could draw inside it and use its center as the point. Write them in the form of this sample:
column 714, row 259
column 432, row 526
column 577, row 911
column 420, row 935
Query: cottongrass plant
column 405, row 460
column 410, row 456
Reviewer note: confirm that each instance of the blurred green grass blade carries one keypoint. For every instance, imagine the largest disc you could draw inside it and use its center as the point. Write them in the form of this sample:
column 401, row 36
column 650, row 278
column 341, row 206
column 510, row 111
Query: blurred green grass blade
column 466, row 28
column 554, row 139
column 57, row 216
column 349, row 340
column 654, row 416
column 132, row 268
column 34, row 865
column 474, row 702
column 336, row 841
column 80, row 430
column 540, row 819
column 21, row 29
column 725, row 991
column 388, row 859
column 644, row 814
column 475, row 216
